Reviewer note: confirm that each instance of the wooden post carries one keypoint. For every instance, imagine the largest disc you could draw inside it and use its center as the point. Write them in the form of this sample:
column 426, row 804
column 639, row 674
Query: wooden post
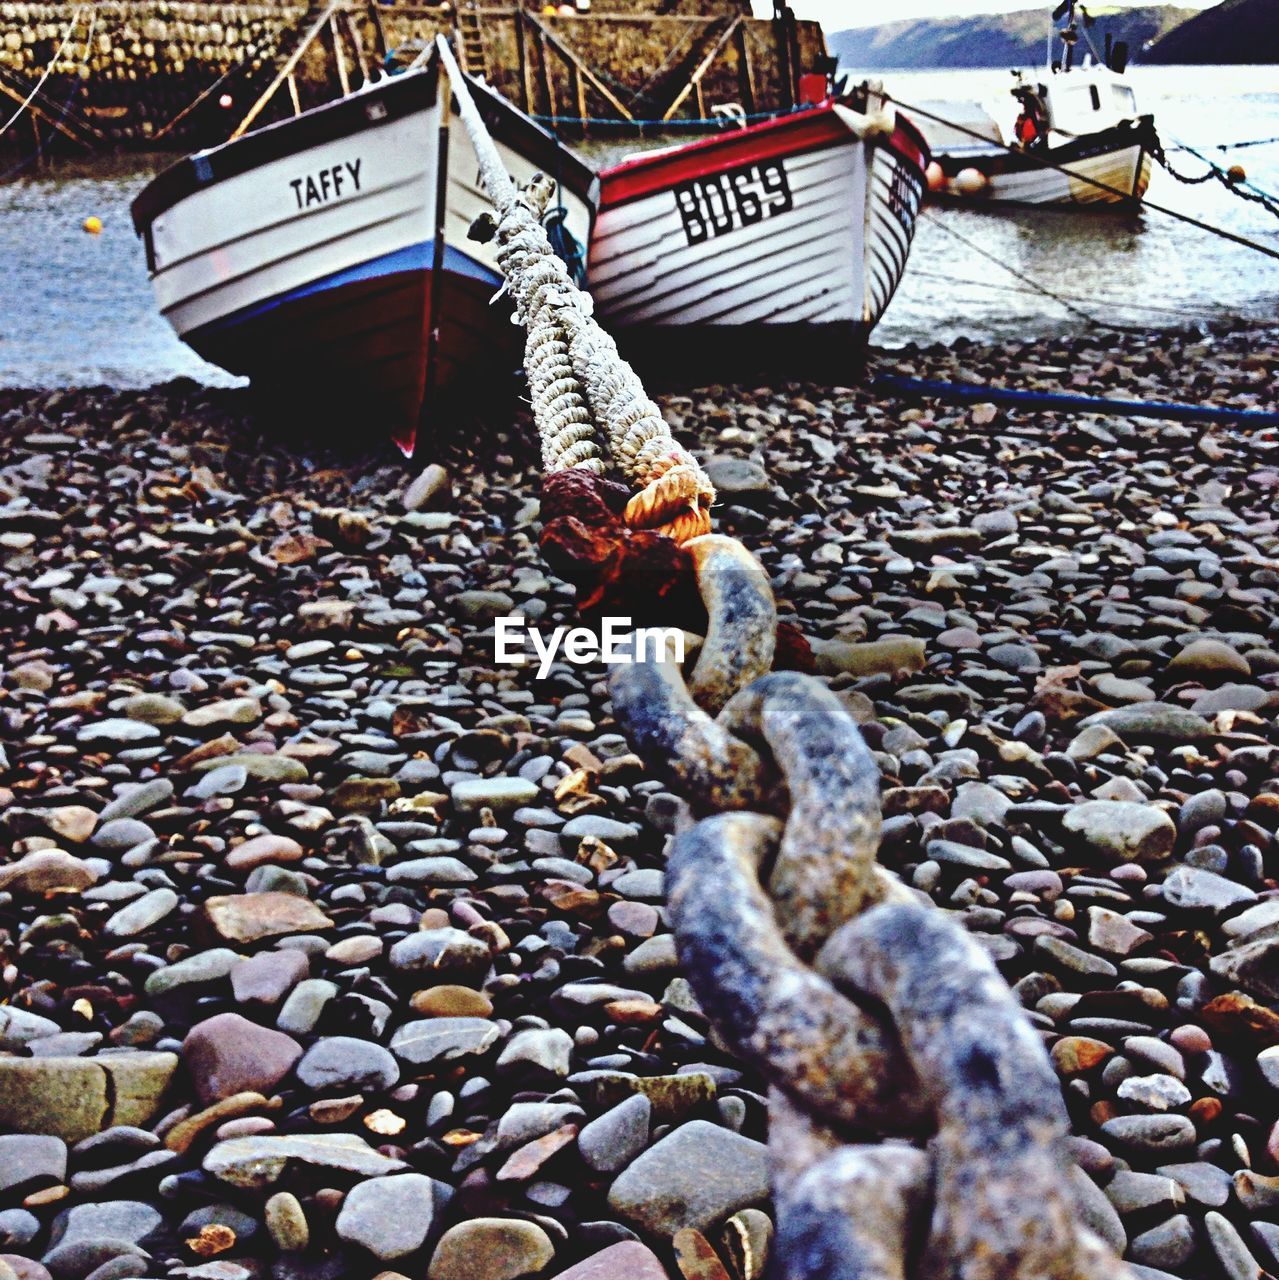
column 695, row 80
column 544, row 38
column 357, row 44
column 285, row 73
column 344, row 80
column 526, row 84
column 580, row 87
column 546, row 73
column 745, row 73
column 375, row 13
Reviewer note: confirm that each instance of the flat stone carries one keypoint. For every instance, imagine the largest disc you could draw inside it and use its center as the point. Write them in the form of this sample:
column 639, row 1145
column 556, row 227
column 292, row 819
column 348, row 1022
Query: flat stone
column 1233, row 1256
column 1194, row 889
column 1117, row 831
column 1204, row 1183
column 1252, row 965
column 1169, row 1245
column 626, row 1260
column 116, row 733
column 1152, row 722
column 449, row 954
column 141, row 914
column 73, row 1098
column 672, row 1097
column 1135, row 1193
column 443, row 1039
column 1209, row 659
column 889, row 655
column 610, row 1142
column 499, row 794
column 73, row 823
column 258, row 765
column 694, row 1177
column 261, row 1160
column 1114, row 934
column 394, row 1216
column 428, row 489
column 491, row 1249
column 201, row 969
column 431, row 871
column 1155, row 1092
column 546, row 1050
column 267, row 977
column 263, row 849
column 952, row 853
column 228, row 711
column 250, row 917
column 47, row 871
column 1157, row 1134
column 27, row 1159
column 19, row 1027
column 119, row 835
column 451, row 1001
column 343, row 1063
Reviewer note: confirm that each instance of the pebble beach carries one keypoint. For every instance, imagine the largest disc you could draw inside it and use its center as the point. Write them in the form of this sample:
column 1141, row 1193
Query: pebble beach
column 332, row 948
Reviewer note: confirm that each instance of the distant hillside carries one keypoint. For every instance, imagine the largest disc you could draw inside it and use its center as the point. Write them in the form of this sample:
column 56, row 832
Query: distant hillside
column 997, row 39
column 1234, row 31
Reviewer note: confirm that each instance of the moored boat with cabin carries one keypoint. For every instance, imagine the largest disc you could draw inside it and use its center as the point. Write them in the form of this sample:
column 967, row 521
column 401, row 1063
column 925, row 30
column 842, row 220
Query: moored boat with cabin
column 1072, row 135
column 327, row 259
column 777, row 245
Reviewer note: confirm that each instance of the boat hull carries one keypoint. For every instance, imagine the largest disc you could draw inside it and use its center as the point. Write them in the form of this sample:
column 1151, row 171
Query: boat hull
column 326, row 258
column 774, row 247
column 1104, row 169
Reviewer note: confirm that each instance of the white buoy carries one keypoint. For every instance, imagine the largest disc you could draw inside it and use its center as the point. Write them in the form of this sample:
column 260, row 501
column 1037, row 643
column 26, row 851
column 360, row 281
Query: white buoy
column 969, row 182
column 935, row 176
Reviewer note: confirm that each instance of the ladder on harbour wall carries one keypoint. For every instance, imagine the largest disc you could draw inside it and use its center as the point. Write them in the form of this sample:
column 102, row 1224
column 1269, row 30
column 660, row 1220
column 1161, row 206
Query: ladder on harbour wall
column 470, row 42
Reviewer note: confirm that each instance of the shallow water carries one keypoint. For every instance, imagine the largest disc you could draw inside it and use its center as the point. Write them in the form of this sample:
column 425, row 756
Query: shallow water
column 77, row 309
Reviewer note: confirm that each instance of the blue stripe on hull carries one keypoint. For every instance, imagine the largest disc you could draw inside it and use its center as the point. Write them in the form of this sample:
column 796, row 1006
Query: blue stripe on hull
column 416, row 257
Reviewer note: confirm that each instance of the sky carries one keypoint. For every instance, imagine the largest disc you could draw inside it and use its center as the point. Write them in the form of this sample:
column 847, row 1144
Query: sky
column 839, row 15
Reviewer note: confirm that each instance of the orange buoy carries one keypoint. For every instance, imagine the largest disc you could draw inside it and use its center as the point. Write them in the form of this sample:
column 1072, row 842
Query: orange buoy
column 93, row 224
column 935, row 176
column 1237, row 173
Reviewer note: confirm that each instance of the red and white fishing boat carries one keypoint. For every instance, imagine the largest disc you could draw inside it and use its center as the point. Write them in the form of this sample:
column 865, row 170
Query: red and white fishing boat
column 778, row 245
column 326, row 257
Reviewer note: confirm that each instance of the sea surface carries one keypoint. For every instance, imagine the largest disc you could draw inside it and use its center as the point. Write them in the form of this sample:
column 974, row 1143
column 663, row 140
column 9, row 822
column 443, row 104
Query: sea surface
column 76, row 309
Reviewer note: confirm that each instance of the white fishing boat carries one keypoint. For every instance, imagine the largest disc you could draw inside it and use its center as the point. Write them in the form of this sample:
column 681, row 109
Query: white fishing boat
column 326, row 257
column 778, row 245
column 1069, row 135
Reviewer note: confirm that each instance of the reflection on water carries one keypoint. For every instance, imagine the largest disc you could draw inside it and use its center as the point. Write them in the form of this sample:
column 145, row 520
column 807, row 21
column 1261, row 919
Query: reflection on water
column 76, row 308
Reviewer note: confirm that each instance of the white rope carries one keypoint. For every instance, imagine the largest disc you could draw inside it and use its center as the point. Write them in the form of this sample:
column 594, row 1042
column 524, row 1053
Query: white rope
column 39, row 84
column 577, row 379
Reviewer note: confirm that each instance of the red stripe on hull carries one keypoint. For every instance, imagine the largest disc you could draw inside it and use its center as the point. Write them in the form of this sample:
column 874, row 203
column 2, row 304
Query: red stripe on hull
column 789, row 135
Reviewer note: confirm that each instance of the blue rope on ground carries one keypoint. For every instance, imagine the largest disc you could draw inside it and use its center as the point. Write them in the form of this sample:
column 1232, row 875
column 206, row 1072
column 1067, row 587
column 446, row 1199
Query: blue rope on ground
column 966, row 393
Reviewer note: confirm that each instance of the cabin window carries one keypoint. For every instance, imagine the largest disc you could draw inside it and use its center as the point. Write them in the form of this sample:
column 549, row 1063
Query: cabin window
column 1096, row 97
column 1125, row 99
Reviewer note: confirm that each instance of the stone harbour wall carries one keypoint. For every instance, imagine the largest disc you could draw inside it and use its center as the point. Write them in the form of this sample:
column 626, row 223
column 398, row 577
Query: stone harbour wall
column 129, row 70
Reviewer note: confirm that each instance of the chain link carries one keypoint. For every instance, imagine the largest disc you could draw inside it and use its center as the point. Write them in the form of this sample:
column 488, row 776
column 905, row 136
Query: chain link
column 916, row 1127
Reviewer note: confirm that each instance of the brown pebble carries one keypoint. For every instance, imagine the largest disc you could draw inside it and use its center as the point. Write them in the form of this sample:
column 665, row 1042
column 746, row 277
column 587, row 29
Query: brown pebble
column 451, row 1001
column 1205, row 1112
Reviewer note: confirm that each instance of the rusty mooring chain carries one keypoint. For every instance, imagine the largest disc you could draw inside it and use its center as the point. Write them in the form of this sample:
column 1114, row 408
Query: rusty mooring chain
column 916, row 1128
